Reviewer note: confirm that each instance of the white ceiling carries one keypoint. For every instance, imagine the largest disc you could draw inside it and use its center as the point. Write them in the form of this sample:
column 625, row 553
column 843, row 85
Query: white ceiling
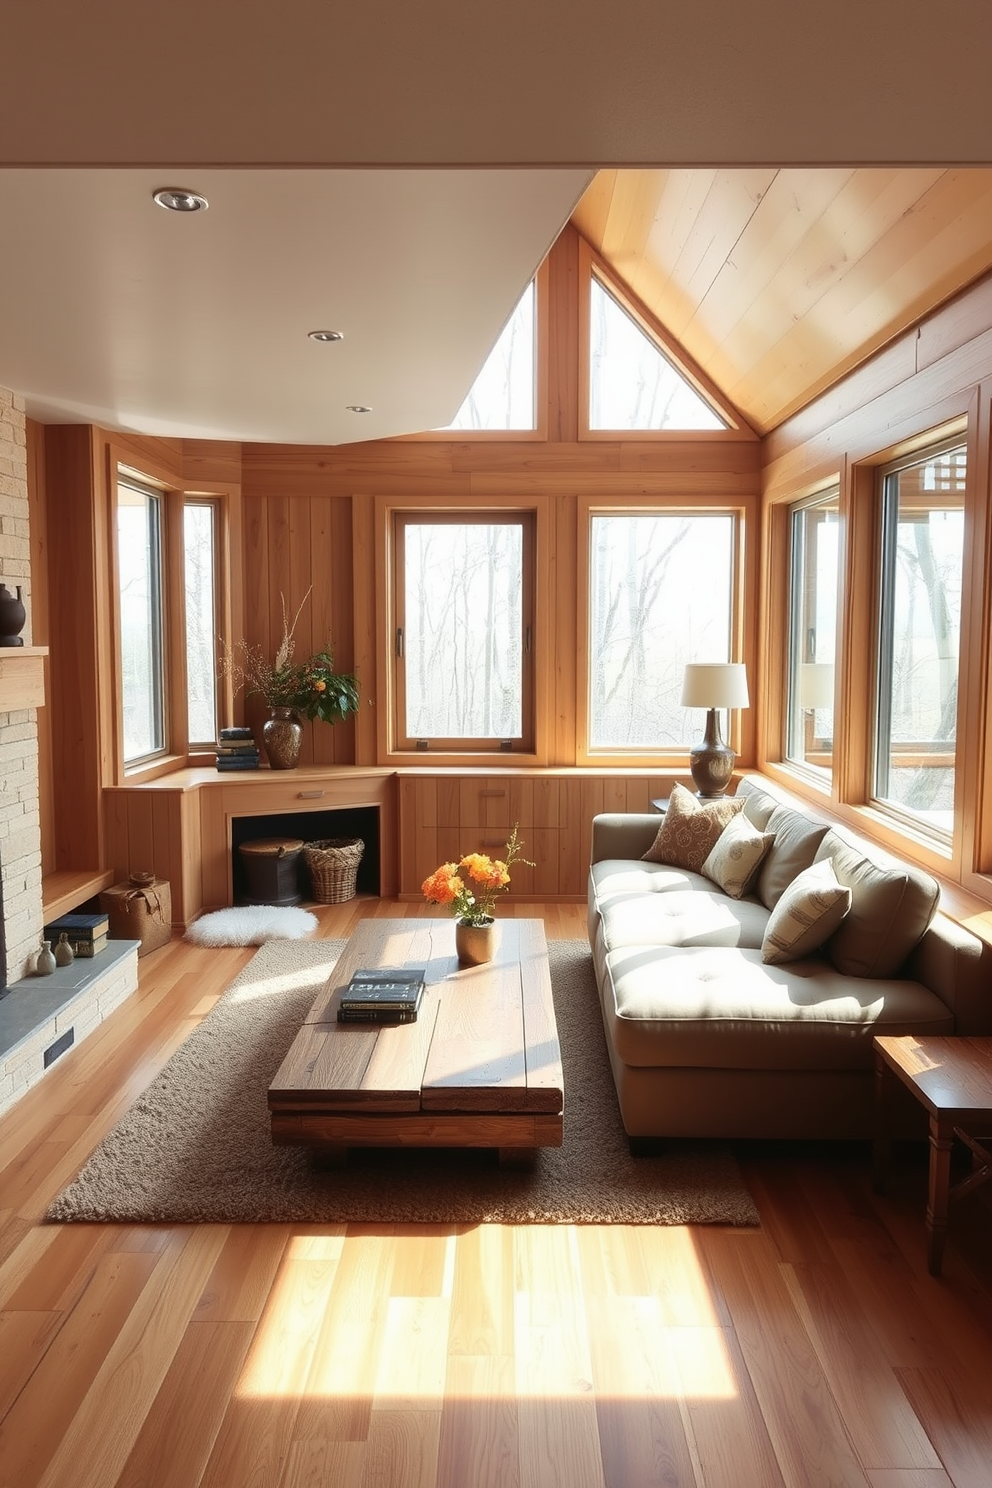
column 293, row 119
column 116, row 312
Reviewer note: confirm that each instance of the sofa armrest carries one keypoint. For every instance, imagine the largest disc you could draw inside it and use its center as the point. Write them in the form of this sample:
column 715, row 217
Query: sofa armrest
column 623, row 834
column 957, row 966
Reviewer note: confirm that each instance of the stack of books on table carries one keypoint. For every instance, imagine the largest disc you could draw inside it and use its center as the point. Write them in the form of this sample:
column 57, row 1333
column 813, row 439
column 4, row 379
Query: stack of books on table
column 236, row 749
column 386, row 995
column 86, row 933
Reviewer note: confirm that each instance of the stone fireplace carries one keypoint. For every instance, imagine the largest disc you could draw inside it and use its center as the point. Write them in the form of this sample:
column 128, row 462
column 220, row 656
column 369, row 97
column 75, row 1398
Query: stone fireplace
column 20, row 818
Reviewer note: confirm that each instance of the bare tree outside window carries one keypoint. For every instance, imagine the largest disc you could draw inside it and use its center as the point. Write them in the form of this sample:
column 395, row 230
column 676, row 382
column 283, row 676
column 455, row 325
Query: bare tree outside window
column 502, row 396
column 139, row 577
column 463, row 640
column 922, row 561
column 661, row 588
column 632, row 384
column 201, row 626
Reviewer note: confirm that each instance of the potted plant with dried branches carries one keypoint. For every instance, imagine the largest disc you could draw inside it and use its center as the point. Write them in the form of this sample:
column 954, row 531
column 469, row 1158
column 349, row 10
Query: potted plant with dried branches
column 310, row 688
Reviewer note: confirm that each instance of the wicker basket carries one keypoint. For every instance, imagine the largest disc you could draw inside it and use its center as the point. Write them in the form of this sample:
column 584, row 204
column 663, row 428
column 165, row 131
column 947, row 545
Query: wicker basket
column 333, row 864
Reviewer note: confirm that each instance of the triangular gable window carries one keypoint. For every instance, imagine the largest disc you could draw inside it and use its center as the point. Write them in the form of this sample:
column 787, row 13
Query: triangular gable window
column 632, row 384
column 502, row 396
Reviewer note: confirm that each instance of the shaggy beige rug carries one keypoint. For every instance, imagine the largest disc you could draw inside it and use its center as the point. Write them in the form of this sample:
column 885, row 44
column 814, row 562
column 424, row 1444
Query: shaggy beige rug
column 195, row 1147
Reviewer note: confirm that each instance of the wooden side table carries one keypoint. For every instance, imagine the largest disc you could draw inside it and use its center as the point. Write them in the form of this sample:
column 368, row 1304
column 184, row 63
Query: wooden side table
column 952, row 1078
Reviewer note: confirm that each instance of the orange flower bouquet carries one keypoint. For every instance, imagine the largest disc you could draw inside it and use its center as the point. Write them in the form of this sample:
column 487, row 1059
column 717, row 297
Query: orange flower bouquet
column 469, row 887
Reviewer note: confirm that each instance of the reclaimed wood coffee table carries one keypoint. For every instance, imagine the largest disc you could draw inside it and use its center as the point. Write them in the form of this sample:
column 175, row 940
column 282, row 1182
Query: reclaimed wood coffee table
column 480, row 1067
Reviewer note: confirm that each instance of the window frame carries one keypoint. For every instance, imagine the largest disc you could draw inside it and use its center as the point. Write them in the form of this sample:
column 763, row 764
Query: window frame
column 215, row 505
column 542, row 341
column 910, row 822
column 591, row 266
column 394, row 745
column 742, row 629
column 819, row 775
column 136, row 481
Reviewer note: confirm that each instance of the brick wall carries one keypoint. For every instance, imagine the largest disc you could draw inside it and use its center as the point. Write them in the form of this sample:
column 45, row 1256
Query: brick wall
column 20, row 821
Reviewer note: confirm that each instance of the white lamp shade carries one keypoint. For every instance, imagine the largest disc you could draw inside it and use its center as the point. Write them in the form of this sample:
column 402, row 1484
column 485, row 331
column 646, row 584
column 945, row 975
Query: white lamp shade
column 816, row 684
column 715, row 684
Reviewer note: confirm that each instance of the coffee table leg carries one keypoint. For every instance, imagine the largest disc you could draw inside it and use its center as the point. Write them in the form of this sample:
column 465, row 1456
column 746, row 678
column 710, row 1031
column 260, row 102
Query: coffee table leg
column 941, row 1139
column 520, row 1158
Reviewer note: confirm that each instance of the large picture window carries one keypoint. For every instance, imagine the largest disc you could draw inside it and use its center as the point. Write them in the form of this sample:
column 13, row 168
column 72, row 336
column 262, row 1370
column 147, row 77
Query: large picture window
column 922, row 550
column 463, row 605
column 139, row 574
column 813, row 586
column 661, row 595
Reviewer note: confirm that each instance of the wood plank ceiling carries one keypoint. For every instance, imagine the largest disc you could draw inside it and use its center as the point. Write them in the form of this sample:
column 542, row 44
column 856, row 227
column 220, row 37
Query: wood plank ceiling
column 779, row 281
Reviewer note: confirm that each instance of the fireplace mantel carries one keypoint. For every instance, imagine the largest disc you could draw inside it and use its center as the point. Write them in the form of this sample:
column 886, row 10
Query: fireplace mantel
column 22, row 677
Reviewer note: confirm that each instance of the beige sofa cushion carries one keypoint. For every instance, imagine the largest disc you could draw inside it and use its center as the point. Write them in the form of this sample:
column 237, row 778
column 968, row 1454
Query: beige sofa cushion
column 736, row 856
column 806, row 915
column 892, row 904
column 795, row 846
column 690, row 919
column 690, row 828
column 722, row 1007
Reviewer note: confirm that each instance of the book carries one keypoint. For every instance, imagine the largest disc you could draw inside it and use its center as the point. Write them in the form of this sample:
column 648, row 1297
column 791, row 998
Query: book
column 235, row 736
column 234, row 751
column 376, row 1015
column 237, row 762
column 390, row 989
column 85, row 949
column 78, row 927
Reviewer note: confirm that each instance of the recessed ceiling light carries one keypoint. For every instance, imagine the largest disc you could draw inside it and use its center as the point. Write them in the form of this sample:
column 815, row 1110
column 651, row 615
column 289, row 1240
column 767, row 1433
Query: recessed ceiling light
column 177, row 199
column 326, row 335
column 358, row 408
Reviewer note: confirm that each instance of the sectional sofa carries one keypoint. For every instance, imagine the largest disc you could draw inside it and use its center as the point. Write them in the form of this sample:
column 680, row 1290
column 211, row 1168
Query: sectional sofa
column 741, row 983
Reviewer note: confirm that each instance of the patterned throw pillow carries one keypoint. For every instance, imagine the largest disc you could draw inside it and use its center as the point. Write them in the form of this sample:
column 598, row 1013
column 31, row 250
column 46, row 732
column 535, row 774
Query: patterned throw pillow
column 806, row 915
column 690, row 829
column 736, row 858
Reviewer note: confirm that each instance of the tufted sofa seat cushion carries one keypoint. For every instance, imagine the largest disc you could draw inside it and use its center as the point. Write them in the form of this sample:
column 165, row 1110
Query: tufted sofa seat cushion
column 723, row 1007
column 687, row 918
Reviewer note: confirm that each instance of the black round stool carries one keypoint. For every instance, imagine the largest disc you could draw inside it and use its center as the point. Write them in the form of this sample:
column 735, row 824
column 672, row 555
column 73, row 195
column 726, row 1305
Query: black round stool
column 270, row 868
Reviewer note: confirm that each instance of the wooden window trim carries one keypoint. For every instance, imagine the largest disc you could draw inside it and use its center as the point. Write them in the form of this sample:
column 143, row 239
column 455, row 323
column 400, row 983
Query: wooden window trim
column 743, row 632
column 390, row 748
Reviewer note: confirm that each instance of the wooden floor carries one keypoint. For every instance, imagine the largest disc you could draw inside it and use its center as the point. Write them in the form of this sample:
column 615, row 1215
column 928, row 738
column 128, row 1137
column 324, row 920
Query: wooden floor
column 813, row 1351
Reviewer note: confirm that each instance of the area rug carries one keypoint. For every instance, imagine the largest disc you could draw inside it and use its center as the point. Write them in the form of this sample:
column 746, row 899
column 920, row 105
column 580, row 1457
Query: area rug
column 196, row 1148
column 251, row 924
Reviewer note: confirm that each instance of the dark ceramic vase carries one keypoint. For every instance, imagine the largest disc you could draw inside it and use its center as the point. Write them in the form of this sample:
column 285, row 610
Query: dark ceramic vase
column 282, row 735
column 12, row 617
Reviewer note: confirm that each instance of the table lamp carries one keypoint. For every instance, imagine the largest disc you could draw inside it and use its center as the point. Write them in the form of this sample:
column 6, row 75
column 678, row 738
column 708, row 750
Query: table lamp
column 713, row 685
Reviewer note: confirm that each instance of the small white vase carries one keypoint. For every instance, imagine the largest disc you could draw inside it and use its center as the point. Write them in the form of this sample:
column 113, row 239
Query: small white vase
column 475, row 944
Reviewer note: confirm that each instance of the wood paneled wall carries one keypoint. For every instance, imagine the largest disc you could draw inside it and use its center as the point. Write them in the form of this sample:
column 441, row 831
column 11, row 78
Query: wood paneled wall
column 309, row 520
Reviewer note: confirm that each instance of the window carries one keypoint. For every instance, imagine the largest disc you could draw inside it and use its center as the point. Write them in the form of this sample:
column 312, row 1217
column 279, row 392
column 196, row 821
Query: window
column 502, row 396
column 661, row 589
column 922, row 549
column 463, row 602
column 814, row 580
column 200, row 566
column 139, row 572
column 632, row 384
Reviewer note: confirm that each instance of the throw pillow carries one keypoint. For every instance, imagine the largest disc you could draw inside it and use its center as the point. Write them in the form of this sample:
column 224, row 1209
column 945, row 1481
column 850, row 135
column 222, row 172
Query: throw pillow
column 807, row 914
column 690, row 829
column 735, row 859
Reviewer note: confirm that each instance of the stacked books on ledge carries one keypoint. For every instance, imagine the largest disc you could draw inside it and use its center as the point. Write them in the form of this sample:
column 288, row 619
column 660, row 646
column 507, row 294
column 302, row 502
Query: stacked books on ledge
column 385, row 995
column 236, row 749
column 86, row 933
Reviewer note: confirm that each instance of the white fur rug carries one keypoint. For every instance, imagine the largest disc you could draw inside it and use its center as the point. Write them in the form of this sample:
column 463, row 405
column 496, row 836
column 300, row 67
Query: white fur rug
column 251, row 924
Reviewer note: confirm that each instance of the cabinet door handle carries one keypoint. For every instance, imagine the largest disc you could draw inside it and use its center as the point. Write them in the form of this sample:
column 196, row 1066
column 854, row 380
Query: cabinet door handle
column 493, row 842
column 309, row 795
column 492, row 793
